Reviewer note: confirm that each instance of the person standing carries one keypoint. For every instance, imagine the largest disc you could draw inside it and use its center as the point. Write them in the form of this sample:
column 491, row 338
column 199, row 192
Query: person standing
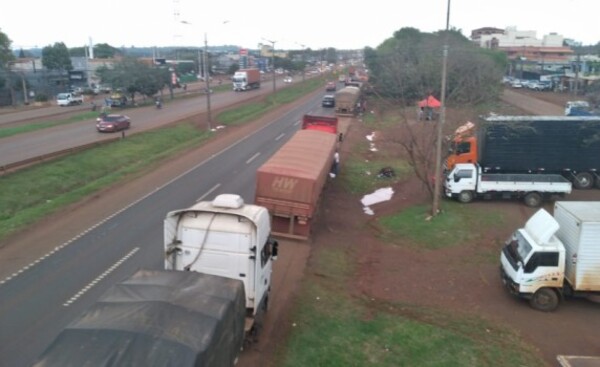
column 335, row 164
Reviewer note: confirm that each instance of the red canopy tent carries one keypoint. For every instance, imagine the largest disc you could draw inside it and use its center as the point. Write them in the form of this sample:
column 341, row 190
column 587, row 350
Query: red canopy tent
column 430, row 102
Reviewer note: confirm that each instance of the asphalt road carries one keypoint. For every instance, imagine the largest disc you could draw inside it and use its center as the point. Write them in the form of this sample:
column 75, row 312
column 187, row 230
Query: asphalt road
column 46, row 286
column 45, row 141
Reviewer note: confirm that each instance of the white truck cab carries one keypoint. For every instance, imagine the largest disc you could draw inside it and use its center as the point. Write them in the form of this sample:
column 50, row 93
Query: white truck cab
column 554, row 256
column 224, row 237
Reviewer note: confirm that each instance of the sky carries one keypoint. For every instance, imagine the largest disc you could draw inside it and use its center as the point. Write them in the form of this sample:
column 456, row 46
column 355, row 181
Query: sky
column 291, row 25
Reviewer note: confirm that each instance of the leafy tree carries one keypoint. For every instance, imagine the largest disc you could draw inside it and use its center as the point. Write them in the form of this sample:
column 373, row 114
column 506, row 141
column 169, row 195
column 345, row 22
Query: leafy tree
column 105, row 51
column 56, row 57
column 6, row 57
column 408, row 67
column 6, row 54
column 134, row 76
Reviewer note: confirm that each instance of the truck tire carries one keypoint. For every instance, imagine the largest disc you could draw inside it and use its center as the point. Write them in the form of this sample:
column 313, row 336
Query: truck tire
column 533, row 199
column 598, row 182
column 545, row 299
column 465, row 196
column 583, row 181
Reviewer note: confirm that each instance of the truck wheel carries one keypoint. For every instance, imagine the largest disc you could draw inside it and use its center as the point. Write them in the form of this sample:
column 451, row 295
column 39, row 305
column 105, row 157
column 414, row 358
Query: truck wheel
column 583, row 181
column 598, row 182
column 545, row 299
column 533, row 199
column 465, row 196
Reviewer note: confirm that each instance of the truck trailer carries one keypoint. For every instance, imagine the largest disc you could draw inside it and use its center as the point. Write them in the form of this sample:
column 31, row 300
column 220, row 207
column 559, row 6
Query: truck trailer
column 289, row 184
column 554, row 256
column 208, row 301
column 466, row 182
column 565, row 145
column 321, row 123
column 246, row 79
column 347, row 101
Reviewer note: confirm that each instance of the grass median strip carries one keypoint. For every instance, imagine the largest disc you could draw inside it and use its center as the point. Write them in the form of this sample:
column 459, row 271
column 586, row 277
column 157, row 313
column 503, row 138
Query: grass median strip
column 32, row 193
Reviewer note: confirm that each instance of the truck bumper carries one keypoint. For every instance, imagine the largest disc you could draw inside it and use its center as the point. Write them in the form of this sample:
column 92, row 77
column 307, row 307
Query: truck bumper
column 511, row 286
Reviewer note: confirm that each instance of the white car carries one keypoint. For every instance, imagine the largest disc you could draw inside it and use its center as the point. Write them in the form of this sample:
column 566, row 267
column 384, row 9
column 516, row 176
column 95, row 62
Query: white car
column 287, row 79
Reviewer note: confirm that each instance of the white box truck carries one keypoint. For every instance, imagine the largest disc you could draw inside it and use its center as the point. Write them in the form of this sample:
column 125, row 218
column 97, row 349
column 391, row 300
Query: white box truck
column 466, row 182
column 555, row 256
column 199, row 311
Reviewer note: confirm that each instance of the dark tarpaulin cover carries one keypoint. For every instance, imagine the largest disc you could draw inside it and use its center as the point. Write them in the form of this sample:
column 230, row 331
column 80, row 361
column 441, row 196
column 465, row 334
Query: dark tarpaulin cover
column 157, row 318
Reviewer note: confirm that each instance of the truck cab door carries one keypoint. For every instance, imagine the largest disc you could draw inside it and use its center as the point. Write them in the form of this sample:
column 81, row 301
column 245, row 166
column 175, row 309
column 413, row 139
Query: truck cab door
column 543, row 269
column 264, row 269
column 464, row 179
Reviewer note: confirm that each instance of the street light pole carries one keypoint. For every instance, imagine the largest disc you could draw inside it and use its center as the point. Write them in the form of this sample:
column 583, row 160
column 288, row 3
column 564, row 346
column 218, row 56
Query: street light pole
column 272, row 62
column 303, row 61
column 207, row 81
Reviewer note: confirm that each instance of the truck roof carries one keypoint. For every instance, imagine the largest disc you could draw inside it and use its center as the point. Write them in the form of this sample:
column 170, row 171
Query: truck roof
column 586, row 211
column 253, row 212
column 156, row 318
column 499, row 118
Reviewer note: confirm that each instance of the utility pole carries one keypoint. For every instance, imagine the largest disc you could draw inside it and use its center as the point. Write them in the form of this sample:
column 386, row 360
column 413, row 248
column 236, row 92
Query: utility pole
column 438, row 157
column 576, row 89
column 207, row 81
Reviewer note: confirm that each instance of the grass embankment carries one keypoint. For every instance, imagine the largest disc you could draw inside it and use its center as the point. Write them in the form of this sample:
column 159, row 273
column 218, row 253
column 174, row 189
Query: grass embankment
column 334, row 328
column 30, row 194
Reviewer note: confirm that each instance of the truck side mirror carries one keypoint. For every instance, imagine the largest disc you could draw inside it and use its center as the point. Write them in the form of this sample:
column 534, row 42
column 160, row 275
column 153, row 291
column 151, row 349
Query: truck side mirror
column 275, row 250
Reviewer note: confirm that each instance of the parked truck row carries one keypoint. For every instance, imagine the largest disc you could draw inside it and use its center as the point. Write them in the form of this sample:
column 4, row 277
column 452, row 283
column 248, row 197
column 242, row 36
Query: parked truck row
column 199, row 310
column 290, row 183
column 564, row 145
column 553, row 257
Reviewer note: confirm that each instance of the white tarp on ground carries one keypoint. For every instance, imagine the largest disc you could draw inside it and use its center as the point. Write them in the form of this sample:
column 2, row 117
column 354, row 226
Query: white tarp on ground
column 380, row 195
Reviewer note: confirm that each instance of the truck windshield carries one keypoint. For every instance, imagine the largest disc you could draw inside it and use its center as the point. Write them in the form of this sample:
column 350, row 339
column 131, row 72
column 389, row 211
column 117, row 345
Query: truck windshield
column 62, row 96
column 518, row 247
column 239, row 79
column 462, row 147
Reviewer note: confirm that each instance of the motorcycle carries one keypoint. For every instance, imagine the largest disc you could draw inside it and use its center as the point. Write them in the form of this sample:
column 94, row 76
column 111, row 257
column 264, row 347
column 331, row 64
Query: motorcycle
column 158, row 104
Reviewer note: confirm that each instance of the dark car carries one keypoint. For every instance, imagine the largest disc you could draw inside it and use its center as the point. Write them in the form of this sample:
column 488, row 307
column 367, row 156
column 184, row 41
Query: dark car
column 330, row 87
column 112, row 123
column 328, row 101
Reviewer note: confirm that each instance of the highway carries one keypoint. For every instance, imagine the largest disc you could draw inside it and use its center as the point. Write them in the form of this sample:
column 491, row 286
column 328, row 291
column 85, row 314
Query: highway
column 47, row 291
column 46, row 141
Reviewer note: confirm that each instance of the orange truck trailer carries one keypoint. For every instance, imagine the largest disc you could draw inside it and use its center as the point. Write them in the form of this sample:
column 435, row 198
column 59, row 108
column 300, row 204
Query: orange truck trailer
column 290, row 183
column 321, row 123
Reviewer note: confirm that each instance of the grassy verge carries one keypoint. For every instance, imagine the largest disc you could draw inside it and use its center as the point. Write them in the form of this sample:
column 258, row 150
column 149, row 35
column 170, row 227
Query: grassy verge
column 332, row 328
column 453, row 227
column 32, row 193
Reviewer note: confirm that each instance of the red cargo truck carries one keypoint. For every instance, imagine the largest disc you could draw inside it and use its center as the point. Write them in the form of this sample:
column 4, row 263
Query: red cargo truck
column 289, row 184
column 321, row 123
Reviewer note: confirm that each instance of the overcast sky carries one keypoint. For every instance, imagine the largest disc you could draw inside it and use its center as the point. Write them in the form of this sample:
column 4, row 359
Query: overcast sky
column 348, row 24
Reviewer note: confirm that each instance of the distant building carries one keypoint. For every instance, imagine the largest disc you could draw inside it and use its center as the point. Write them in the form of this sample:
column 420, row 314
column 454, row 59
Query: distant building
column 546, row 54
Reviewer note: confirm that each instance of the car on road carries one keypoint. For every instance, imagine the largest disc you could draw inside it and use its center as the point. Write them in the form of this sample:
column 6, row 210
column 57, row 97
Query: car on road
column 330, row 87
column 328, row 100
column 287, row 79
column 112, row 123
